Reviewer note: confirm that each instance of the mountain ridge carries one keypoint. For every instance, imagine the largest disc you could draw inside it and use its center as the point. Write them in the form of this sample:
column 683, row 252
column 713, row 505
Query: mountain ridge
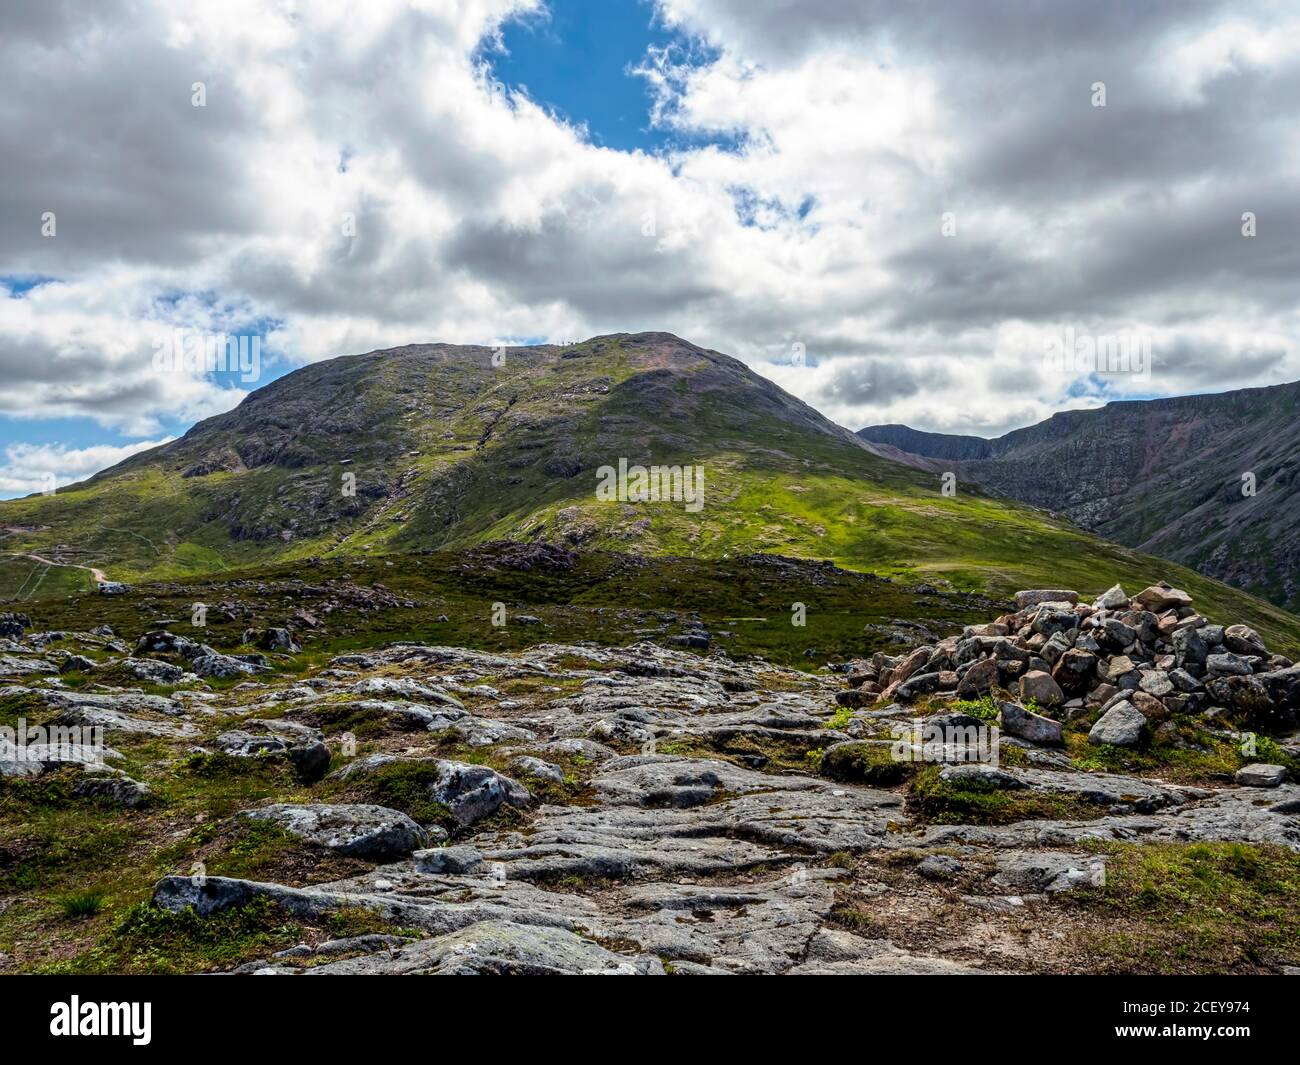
column 1168, row 476
column 433, row 447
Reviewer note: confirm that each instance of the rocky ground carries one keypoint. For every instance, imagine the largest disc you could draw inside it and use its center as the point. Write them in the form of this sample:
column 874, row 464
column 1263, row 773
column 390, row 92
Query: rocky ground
column 651, row 809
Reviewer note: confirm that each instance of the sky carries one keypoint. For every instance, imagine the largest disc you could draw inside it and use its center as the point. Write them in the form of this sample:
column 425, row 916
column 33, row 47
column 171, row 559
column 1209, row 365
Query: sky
column 927, row 214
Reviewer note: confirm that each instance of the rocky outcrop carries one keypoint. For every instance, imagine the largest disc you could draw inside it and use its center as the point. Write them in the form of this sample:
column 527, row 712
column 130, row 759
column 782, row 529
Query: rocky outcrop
column 300, row 746
column 651, row 809
column 357, row 830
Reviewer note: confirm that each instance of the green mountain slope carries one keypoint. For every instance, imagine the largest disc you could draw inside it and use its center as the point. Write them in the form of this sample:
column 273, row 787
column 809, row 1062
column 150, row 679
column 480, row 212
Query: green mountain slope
column 1210, row 481
column 446, row 450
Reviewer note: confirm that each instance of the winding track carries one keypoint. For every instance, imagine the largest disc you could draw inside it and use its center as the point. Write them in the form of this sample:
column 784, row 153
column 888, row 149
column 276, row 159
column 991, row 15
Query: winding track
column 97, row 574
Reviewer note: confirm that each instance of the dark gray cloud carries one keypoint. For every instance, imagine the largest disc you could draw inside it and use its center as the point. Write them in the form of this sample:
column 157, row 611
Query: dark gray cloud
column 620, row 278
column 996, row 31
column 1127, row 214
column 98, row 127
column 876, row 381
column 1200, row 365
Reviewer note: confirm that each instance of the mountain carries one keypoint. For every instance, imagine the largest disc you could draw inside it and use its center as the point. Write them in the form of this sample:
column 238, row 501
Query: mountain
column 1166, row 476
column 434, row 447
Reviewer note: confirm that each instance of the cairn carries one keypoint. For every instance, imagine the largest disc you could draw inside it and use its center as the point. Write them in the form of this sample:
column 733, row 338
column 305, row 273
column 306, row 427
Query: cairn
column 1132, row 663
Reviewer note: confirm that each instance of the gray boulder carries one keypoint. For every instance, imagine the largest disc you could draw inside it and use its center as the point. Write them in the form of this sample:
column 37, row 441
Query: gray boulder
column 215, row 664
column 449, row 860
column 1049, row 873
column 278, row 640
column 469, row 792
column 502, row 948
column 112, row 785
column 1161, row 597
column 405, row 688
column 1049, row 621
column 979, row 678
column 921, row 684
column 1156, row 682
column 151, row 671
column 1117, row 668
column 1040, row 687
column 1260, row 775
column 1228, row 665
column 979, row 775
column 302, row 747
column 1033, row 596
column 472, row 792
column 160, row 641
column 1190, row 650
column 1184, row 681
column 1212, row 634
column 1117, row 634
column 12, row 625
column 529, row 766
column 1244, row 640
column 1114, row 598
column 1026, row 725
column 1122, row 726
column 939, row 867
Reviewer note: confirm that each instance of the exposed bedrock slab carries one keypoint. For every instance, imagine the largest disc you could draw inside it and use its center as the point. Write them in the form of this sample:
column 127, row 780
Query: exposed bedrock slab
column 1239, row 815
column 691, row 864
column 497, row 948
column 358, row 830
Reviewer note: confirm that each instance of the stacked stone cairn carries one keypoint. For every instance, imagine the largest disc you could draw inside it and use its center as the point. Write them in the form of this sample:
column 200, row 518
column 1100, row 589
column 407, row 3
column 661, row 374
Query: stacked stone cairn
column 1130, row 664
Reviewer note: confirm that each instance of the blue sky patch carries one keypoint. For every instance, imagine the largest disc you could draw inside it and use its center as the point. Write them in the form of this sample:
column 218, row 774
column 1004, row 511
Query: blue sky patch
column 20, row 284
column 580, row 61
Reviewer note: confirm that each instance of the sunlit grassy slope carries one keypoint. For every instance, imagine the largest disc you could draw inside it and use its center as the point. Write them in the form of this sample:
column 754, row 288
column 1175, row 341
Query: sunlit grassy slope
column 23, row 580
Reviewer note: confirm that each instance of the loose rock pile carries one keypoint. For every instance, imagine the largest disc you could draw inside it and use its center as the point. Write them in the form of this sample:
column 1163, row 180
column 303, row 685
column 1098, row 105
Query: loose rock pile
column 1133, row 662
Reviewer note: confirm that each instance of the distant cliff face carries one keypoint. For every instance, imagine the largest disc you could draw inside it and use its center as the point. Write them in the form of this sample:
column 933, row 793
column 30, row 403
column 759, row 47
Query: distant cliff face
column 1209, row 481
column 929, row 445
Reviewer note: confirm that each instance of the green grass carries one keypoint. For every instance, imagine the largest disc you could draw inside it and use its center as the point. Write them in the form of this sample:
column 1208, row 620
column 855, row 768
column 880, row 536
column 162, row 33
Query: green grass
column 974, row 802
column 406, row 786
column 23, row 580
column 1192, row 908
column 79, row 904
column 605, row 598
column 866, row 762
column 149, row 939
column 1187, row 756
column 58, row 847
column 985, row 708
column 841, row 719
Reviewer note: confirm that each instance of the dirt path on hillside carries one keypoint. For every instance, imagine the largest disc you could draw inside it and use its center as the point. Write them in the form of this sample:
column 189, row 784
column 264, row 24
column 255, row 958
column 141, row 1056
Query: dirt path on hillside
column 97, row 574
